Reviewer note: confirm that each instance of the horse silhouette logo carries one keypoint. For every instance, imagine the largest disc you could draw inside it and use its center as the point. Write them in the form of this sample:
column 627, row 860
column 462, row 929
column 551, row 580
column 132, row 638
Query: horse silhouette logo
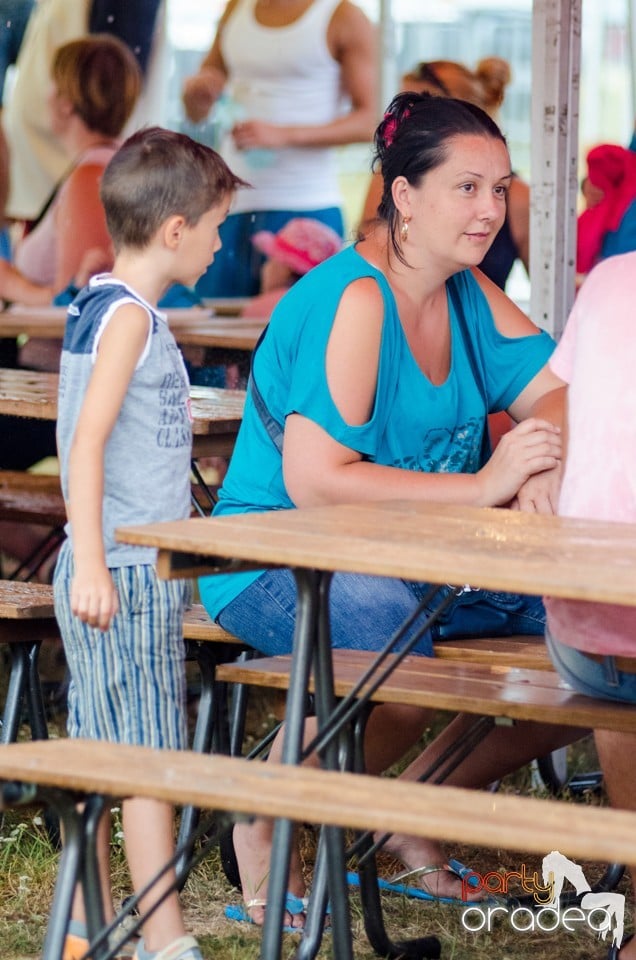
column 557, row 869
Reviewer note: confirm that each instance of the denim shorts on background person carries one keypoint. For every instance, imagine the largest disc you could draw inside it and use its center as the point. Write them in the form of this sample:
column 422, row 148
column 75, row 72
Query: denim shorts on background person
column 237, row 265
column 365, row 611
column 128, row 683
column 601, row 680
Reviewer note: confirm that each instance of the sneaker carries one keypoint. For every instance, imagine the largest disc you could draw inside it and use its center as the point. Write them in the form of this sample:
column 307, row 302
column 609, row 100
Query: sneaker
column 185, row 948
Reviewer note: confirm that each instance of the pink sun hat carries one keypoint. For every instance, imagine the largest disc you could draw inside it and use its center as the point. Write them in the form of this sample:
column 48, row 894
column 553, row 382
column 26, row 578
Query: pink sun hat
column 301, row 244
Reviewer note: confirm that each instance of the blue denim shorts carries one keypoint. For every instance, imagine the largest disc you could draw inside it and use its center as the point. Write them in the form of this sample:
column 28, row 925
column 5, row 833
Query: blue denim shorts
column 365, row 611
column 602, row 680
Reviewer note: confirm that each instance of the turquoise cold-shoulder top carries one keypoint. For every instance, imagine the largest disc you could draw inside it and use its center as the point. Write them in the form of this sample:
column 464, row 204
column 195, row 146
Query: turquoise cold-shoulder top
column 414, row 424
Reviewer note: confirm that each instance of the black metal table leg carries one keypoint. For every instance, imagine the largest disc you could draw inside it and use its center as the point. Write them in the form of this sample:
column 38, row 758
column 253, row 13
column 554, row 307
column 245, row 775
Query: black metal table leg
column 332, row 838
column 202, row 741
column 304, row 637
column 90, row 876
column 71, row 866
column 18, row 681
column 35, row 700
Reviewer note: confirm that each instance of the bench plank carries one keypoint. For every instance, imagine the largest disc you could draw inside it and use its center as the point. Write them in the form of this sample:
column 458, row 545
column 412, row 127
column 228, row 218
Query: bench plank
column 197, row 625
column 31, row 498
column 521, row 651
column 490, row 690
column 518, row 651
column 326, row 797
column 25, row 601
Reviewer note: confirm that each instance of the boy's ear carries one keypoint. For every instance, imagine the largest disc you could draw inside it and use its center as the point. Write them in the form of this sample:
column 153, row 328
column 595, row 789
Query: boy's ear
column 172, row 231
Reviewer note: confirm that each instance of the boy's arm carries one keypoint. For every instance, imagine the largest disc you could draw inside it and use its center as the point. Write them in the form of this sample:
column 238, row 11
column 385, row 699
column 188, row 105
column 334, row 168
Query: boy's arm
column 93, row 596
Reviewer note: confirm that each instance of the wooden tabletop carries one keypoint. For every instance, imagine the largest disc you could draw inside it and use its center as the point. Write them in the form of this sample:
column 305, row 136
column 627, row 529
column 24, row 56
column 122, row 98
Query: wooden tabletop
column 491, row 548
column 32, row 393
column 226, row 306
column 216, row 410
column 28, row 393
column 191, row 326
column 25, row 601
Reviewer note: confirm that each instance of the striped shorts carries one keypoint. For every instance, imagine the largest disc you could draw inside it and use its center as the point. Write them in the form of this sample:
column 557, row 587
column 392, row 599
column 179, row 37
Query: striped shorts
column 127, row 684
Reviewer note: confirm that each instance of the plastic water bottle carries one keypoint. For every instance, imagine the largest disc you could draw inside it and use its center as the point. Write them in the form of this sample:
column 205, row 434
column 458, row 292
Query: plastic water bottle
column 228, row 112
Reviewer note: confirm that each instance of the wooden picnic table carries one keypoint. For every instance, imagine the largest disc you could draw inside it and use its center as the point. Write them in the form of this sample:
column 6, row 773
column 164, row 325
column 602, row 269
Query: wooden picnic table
column 192, row 326
column 217, row 413
column 226, row 306
column 491, row 548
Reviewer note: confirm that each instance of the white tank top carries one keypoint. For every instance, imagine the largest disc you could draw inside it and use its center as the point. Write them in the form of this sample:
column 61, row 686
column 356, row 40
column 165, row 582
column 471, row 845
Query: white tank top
column 282, row 75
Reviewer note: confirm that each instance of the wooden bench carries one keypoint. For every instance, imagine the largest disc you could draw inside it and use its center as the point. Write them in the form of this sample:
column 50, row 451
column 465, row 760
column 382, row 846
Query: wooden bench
column 35, row 499
column 519, row 651
column 489, row 689
column 86, row 770
column 493, row 688
column 27, row 619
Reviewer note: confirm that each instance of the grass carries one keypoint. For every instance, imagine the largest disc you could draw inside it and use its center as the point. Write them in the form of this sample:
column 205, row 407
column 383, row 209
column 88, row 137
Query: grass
column 28, row 866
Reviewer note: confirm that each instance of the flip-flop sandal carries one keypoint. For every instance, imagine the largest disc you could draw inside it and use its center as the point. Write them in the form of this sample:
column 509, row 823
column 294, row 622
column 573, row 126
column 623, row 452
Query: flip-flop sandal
column 418, row 893
column 293, row 905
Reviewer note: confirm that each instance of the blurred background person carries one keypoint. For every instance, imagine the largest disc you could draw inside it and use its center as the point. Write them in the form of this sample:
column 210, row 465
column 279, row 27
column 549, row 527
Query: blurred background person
column 607, row 225
column 298, row 79
column 301, row 244
column 94, row 87
column 485, row 87
column 14, row 15
column 37, row 159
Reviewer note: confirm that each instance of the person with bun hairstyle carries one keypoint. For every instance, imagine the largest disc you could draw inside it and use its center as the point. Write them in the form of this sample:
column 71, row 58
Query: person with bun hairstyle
column 485, row 87
column 374, row 381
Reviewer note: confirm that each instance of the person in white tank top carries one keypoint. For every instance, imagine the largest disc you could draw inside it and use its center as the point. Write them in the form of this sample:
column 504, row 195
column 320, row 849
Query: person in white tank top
column 295, row 79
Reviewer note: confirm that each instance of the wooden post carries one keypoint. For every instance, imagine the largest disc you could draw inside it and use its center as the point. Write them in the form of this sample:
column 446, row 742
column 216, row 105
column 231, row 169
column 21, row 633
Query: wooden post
column 556, row 45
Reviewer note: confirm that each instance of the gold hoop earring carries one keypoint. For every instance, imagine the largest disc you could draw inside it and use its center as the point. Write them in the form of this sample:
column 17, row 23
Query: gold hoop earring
column 404, row 230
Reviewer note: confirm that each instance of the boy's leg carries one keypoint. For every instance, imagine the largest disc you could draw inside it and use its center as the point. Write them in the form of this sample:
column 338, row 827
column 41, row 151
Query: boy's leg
column 149, row 837
column 77, row 939
column 129, row 686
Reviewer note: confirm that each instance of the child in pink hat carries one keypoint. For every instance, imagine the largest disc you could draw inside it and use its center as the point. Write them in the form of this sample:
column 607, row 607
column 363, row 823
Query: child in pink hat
column 301, row 244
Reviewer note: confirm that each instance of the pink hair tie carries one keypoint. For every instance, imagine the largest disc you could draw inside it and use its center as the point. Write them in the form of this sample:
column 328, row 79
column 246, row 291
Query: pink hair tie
column 391, row 125
column 390, row 128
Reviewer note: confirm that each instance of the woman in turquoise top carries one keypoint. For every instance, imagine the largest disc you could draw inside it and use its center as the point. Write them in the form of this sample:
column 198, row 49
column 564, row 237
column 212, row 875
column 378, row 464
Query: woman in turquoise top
column 375, row 379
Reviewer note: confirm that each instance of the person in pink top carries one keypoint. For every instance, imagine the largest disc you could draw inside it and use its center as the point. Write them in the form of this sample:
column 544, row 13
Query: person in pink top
column 593, row 645
column 95, row 83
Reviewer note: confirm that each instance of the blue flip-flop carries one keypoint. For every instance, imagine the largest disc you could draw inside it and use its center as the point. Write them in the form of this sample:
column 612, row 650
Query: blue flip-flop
column 417, row 893
column 294, row 905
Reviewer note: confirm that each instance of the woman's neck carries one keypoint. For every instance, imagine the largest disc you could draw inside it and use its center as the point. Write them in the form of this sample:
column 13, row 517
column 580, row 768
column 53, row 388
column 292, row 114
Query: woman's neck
column 79, row 139
column 417, row 283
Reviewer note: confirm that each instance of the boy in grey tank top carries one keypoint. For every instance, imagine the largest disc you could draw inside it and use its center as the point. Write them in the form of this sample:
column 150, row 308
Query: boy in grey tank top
column 124, row 441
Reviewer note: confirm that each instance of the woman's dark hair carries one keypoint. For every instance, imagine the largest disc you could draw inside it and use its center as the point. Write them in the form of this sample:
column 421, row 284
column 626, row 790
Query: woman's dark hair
column 414, row 138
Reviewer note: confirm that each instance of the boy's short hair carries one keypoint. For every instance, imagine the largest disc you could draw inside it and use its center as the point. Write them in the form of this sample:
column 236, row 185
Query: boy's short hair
column 156, row 174
column 101, row 77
